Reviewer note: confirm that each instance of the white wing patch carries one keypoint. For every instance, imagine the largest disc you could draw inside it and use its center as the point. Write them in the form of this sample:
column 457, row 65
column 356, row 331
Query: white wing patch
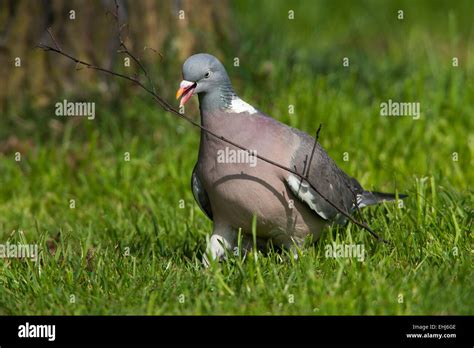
column 306, row 194
column 237, row 105
column 360, row 204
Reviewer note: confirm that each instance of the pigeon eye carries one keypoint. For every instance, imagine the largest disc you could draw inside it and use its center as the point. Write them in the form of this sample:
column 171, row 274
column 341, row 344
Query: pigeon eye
column 207, row 75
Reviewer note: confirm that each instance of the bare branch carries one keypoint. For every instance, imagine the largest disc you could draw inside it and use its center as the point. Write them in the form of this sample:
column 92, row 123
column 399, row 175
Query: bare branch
column 127, row 51
column 52, row 38
column 155, row 51
column 312, row 152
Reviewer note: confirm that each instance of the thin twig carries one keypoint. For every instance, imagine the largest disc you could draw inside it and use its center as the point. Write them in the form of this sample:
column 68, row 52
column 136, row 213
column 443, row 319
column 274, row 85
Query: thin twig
column 155, row 51
column 52, row 38
column 312, row 152
column 127, row 51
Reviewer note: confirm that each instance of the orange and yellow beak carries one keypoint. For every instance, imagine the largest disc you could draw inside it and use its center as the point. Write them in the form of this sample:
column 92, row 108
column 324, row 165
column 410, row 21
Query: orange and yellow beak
column 185, row 91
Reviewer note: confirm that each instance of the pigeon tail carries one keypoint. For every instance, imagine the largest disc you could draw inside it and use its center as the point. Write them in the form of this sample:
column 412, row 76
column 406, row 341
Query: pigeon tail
column 367, row 198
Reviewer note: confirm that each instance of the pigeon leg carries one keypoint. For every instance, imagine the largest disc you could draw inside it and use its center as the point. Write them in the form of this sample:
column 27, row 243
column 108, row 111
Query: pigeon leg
column 247, row 245
column 223, row 238
column 290, row 243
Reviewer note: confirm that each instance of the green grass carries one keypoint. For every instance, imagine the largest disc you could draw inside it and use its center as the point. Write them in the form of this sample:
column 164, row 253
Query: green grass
column 134, row 206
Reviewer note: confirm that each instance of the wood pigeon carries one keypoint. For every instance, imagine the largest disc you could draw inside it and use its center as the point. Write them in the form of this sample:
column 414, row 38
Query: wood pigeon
column 232, row 187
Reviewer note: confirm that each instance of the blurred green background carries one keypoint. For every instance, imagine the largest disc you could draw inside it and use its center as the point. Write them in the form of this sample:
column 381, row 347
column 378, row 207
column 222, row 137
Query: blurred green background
column 282, row 62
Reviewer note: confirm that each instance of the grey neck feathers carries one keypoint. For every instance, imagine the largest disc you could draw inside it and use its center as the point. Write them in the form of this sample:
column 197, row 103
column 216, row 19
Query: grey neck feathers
column 218, row 99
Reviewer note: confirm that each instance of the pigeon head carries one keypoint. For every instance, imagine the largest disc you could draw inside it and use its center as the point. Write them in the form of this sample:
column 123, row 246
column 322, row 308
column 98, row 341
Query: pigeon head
column 204, row 75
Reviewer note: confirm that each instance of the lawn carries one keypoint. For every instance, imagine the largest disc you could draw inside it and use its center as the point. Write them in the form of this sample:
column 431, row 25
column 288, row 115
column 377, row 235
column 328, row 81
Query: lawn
column 119, row 236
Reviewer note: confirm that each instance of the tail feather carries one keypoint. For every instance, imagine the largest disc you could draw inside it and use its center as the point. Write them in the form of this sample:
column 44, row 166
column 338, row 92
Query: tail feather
column 372, row 197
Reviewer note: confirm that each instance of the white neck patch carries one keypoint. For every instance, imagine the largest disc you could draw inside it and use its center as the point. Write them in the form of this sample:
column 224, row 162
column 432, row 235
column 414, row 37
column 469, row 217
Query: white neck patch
column 237, row 105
